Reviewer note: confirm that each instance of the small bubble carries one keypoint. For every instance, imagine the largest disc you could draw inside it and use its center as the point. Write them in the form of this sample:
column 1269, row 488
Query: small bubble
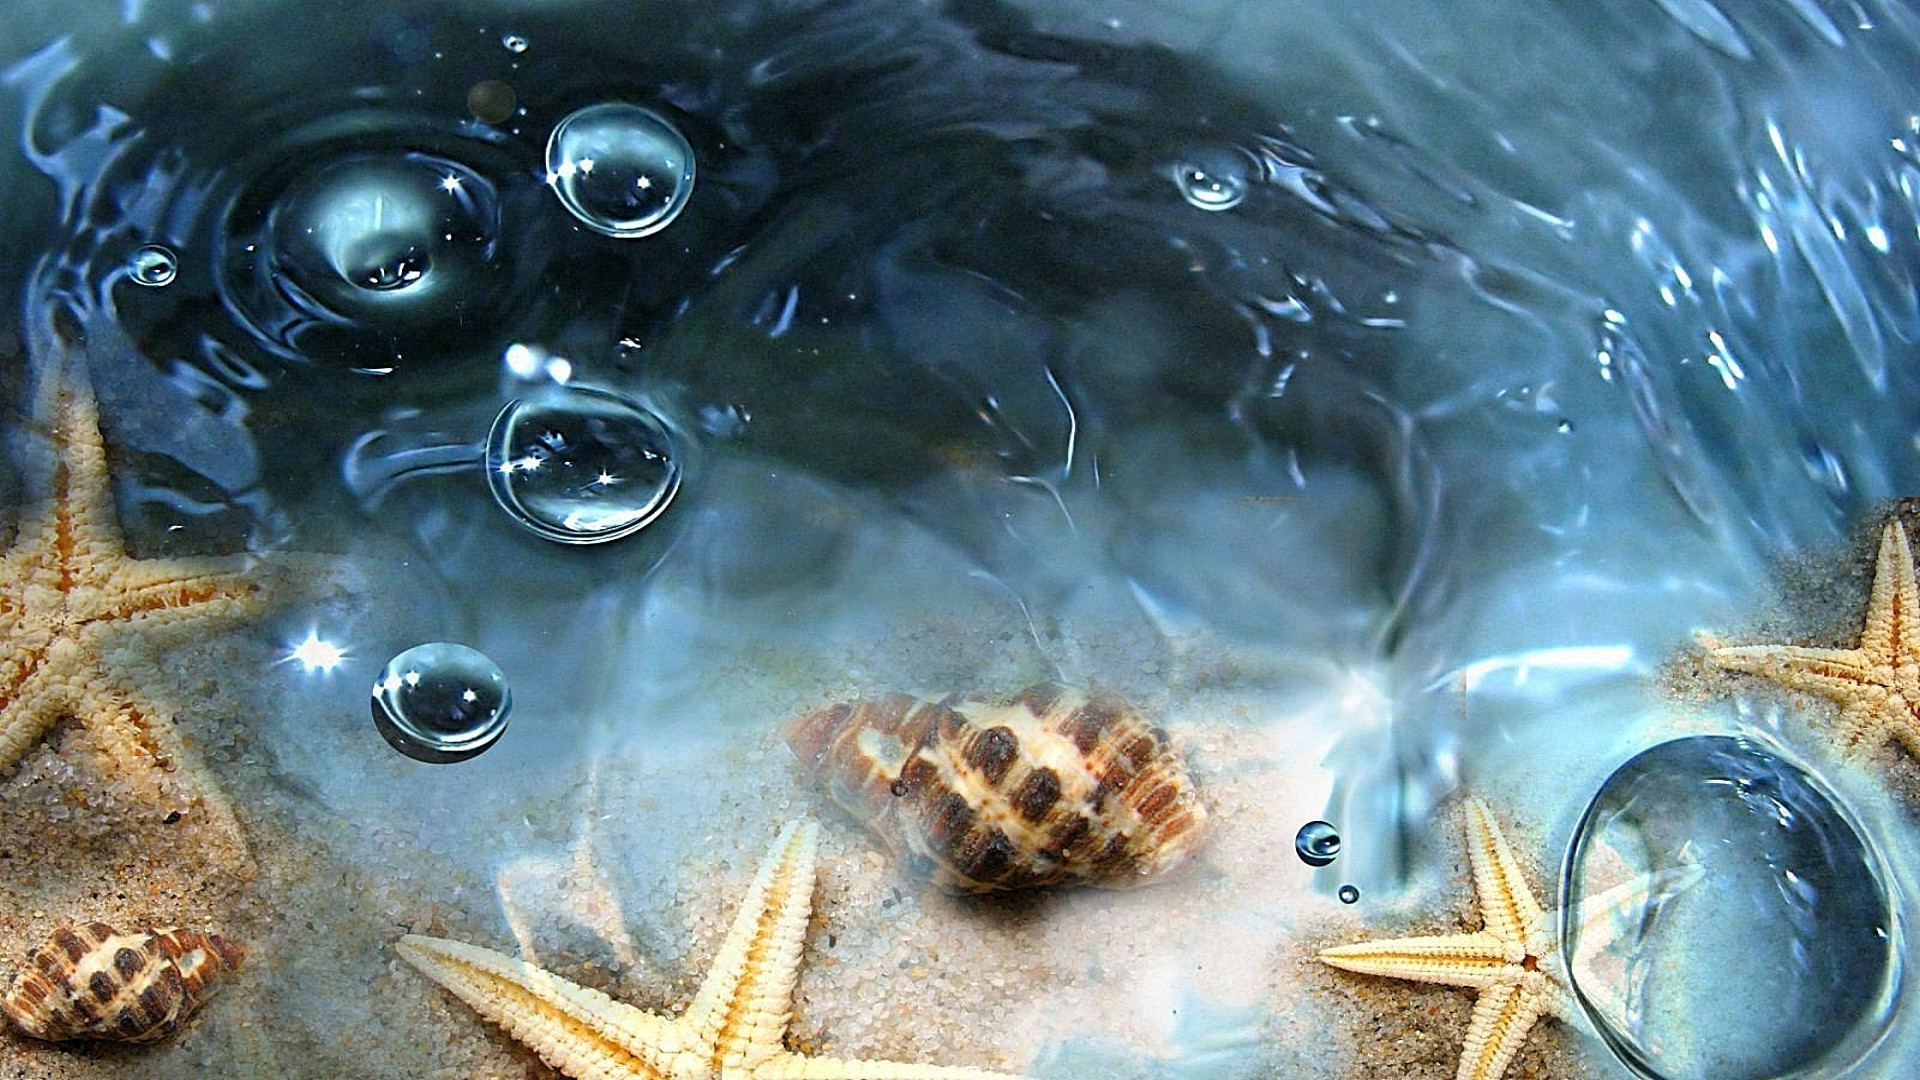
column 153, row 265
column 581, row 466
column 622, row 170
column 513, row 43
column 898, row 787
column 441, row 702
column 1317, row 843
column 1349, row 894
column 491, row 101
column 1213, row 179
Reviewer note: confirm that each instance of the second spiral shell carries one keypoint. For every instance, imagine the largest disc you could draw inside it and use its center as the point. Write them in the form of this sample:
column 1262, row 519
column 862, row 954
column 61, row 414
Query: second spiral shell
column 1050, row 786
column 94, row 982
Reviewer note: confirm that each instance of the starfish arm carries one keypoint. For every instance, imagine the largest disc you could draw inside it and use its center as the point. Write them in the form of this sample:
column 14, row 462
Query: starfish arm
column 30, row 701
column 1501, row 1019
column 81, row 524
column 746, row 1001
column 581, row 1032
column 158, row 591
column 1843, row 675
column 788, row 1066
column 131, row 739
column 1891, row 631
column 1506, row 904
column 1471, row 960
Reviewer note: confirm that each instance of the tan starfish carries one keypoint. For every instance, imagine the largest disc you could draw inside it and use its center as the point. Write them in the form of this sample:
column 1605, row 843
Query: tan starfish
column 1513, row 962
column 733, row 1029
column 68, row 590
column 1877, row 683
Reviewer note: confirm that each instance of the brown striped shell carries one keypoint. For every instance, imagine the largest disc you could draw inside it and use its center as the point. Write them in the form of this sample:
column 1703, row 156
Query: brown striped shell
column 1047, row 787
column 94, row 982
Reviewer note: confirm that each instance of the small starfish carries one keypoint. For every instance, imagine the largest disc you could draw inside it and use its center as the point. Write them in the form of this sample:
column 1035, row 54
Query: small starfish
column 1513, row 962
column 1877, row 683
column 68, row 589
column 733, row 1029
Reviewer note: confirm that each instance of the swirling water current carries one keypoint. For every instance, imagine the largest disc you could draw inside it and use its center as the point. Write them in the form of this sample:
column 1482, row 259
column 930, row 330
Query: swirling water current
column 1386, row 393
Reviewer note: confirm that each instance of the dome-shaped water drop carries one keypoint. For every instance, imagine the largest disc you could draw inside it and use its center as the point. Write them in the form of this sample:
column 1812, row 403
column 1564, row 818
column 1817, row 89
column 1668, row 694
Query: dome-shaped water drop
column 581, row 466
column 1767, row 945
column 153, row 265
column 441, row 702
column 1213, row 179
column 621, row 169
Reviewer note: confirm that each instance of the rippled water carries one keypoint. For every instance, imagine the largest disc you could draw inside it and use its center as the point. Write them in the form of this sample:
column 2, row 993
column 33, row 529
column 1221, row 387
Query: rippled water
column 1383, row 394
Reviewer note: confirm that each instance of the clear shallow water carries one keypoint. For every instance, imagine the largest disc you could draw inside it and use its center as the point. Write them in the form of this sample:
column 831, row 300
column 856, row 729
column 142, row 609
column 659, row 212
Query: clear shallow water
column 1384, row 395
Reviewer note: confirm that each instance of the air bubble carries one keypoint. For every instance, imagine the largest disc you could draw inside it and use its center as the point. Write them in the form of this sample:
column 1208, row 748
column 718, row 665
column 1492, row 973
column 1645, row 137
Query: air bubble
column 1317, row 843
column 491, row 101
column 441, row 702
column 153, row 266
column 621, row 169
column 1766, row 943
column 581, row 466
column 513, row 43
column 1349, row 894
column 1214, row 179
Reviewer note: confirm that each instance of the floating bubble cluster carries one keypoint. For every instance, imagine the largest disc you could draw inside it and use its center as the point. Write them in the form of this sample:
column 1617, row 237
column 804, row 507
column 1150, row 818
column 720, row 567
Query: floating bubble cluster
column 441, row 702
column 623, row 170
column 581, row 466
column 1779, row 958
column 1317, row 843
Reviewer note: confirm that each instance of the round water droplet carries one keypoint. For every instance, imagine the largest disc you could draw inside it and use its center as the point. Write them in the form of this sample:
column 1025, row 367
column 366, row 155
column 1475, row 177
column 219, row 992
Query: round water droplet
column 1317, row 843
column 513, row 43
column 1213, row 179
column 581, row 466
column 1349, row 894
column 621, row 169
column 153, row 265
column 441, row 702
column 1732, row 920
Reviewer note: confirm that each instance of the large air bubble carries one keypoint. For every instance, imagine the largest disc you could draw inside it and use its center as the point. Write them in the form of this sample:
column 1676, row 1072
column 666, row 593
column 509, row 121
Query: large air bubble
column 621, row 169
column 581, row 466
column 1778, row 958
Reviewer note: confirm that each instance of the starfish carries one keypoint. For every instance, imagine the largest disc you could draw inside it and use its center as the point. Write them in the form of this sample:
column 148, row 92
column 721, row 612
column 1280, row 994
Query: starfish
column 1513, row 962
column 732, row 1031
column 1877, row 683
column 68, row 591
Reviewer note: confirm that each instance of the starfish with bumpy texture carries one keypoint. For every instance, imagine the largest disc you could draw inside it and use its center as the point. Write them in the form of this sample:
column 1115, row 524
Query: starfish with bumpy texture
column 1513, row 961
column 733, row 1029
column 1877, row 683
column 68, row 590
